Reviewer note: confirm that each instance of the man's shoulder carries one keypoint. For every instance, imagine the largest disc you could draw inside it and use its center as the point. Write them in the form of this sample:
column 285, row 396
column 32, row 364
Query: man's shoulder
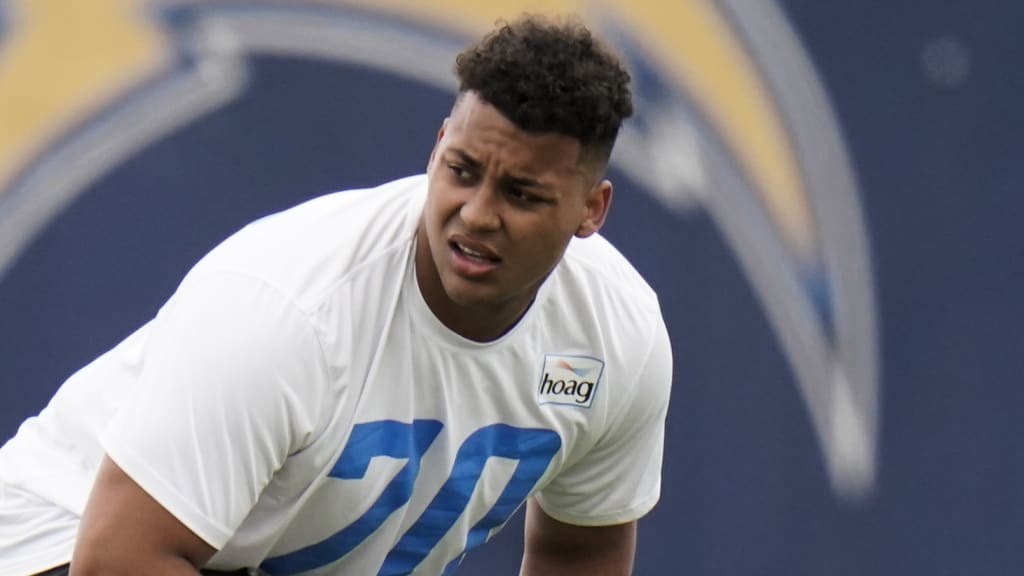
column 342, row 213
column 599, row 295
column 306, row 250
column 598, row 265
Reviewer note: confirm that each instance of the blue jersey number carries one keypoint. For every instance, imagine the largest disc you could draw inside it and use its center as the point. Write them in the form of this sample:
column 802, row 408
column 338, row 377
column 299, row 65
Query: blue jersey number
column 533, row 450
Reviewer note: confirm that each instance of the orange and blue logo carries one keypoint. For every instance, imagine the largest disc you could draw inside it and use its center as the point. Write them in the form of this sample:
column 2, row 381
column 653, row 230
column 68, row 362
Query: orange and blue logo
column 731, row 121
column 569, row 380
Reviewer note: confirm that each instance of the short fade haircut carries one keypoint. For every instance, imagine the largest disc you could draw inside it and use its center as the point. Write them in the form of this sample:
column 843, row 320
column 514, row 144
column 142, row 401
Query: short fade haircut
column 549, row 75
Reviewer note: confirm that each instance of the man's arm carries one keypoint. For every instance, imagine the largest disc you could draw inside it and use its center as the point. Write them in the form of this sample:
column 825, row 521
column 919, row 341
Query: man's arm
column 125, row 531
column 556, row 548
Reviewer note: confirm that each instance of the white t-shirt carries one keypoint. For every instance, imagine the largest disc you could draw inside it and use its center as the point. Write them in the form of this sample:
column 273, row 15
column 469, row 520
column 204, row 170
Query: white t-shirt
column 297, row 405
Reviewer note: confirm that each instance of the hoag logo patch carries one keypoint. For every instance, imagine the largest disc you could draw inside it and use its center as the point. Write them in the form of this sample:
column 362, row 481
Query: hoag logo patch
column 569, row 380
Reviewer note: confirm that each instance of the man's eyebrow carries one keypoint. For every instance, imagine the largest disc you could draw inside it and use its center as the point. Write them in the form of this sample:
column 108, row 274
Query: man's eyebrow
column 524, row 182
column 466, row 158
column 519, row 181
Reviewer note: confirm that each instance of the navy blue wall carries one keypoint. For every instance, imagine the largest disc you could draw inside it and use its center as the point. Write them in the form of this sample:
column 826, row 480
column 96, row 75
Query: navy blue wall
column 938, row 156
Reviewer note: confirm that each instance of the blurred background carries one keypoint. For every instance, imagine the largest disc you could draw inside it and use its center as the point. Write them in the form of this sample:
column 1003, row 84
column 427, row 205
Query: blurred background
column 826, row 196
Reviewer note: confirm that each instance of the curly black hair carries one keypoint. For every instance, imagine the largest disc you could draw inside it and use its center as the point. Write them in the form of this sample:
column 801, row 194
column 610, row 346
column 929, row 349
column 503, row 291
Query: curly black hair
column 548, row 75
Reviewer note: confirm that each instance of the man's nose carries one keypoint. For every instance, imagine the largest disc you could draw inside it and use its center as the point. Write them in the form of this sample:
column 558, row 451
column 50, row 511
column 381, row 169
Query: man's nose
column 481, row 211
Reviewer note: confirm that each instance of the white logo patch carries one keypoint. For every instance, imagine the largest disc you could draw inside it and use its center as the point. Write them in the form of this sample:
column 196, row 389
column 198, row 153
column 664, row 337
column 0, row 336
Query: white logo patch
column 569, row 380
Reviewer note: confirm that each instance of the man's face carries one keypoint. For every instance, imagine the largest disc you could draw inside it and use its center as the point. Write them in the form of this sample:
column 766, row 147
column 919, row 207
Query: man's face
column 501, row 209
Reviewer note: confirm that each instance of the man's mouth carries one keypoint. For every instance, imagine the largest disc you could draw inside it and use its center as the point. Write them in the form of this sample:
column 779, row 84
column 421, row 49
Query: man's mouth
column 475, row 254
column 473, row 260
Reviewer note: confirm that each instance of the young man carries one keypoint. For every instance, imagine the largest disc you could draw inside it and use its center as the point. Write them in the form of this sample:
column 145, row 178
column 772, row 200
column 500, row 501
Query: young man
column 372, row 382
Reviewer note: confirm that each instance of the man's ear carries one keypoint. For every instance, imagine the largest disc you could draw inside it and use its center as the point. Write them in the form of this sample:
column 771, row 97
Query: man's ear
column 437, row 143
column 599, row 199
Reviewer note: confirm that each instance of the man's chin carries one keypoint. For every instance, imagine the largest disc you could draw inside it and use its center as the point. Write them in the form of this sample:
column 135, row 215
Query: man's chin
column 472, row 297
column 480, row 296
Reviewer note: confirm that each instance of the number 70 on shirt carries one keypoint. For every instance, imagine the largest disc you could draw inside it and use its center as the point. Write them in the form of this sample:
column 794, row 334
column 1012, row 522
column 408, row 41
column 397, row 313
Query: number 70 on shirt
column 531, row 448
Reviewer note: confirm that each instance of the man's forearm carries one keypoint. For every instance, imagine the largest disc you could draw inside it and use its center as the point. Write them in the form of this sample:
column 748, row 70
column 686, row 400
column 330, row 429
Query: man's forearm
column 100, row 565
column 535, row 565
column 555, row 548
column 125, row 531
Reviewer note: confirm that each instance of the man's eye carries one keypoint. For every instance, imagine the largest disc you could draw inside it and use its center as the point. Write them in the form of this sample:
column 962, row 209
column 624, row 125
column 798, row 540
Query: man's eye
column 458, row 171
column 522, row 196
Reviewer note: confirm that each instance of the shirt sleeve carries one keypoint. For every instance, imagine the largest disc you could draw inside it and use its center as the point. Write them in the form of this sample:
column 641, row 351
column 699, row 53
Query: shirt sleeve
column 619, row 480
column 231, row 378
